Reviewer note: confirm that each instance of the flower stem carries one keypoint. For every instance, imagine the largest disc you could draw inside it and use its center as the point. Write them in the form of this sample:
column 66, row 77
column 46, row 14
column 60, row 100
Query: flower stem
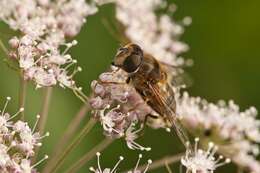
column 2, row 46
column 22, row 94
column 161, row 162
column 89, row 155
column 72, row 127
column 80, row 95
column 45, row 109
column 70, row 131
column 168, row 167
column 73, row 145
column 44, row 116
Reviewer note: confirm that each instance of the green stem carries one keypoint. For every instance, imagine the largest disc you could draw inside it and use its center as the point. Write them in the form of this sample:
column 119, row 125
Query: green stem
column 70, row 131
column 73, row 145
column 45, row 109
column 43, row 116
column 2, row 46
column 22, row 94
column 72, row 127
column 89, row 155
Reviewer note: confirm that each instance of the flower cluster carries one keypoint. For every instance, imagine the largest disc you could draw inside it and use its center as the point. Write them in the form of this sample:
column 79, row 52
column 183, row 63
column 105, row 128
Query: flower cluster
column 198, row 160
column 44, row 26
column 157, row 34
column 119, row 108
column 117, row 105
column 17, row 143
column 114, row 169
column 235, row 132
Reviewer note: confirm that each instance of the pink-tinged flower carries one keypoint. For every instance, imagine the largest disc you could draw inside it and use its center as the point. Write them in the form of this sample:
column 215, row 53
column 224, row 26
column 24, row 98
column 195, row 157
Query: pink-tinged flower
column 203, row 161
column 44, row 26
column 106, row 170
column 156, row 33
column 131, row 135
column 135, row 169
column 72, row 16
column 119, row 108
column 236, row 132
column 19, row 137
column 114, row 169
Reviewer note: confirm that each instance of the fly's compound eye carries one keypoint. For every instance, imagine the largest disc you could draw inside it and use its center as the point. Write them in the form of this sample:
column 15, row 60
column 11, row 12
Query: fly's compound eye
column 132, row 63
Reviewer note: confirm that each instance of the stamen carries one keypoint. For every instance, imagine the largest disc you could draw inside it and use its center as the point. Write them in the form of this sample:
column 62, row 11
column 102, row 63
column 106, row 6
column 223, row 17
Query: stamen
column 17, row 113
column 138, row 161
column 210, row 146
column 68, row 46
column 121, row 158
column 227, row 161
column 98, row 160
column 41, row 57
column 148, row 164
column 13, row 143
column 40, row 161
column 39, row 144
column 69, row 65
column 92, row 169
column 46, row 135
column 6, row 103
column 37, row 120
column 214, row 150
column 196, row 144
column 74, row 42
column 68, row 58
column 140, row 147
column 78, row 69
column 219, row 158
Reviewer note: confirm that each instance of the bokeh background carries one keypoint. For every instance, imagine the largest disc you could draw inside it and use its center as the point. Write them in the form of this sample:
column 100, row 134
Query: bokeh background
column 224, row 44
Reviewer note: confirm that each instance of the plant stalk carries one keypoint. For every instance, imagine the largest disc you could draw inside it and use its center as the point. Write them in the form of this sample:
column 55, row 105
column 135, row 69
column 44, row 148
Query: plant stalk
column 61, row 158
column 2, row 46
column 89, row 155
column 43, row 116
column 70, row 131
column 22, row 94
column 45, row 109
column 72, row 127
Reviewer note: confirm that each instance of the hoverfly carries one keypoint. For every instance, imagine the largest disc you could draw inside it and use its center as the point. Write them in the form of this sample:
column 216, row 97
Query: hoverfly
column 150, row 79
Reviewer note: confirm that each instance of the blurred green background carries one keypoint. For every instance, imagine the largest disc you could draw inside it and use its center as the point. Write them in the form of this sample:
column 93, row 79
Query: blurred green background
column 224, row 44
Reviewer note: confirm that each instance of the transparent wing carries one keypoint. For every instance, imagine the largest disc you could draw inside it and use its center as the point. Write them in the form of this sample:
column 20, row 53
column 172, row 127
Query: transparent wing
column 177, row 76
column 170, row 114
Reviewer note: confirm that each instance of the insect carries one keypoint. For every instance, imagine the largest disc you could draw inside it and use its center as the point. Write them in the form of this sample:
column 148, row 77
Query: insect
column 150, row 79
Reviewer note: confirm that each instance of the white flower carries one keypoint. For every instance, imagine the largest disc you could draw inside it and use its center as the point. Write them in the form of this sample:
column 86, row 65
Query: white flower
column 135, row 170
column 44, row 78
column 21, row 126
column 230, row 122
column 202, row 161
column 4, row 157
column 128, row 107
column 44, row 26
column 236, row 132
column 131, row 135
column 106, row 170
column 26, row 166
column 114, row 169
column 72, row 16
column 157, row 35
column 19, row 137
